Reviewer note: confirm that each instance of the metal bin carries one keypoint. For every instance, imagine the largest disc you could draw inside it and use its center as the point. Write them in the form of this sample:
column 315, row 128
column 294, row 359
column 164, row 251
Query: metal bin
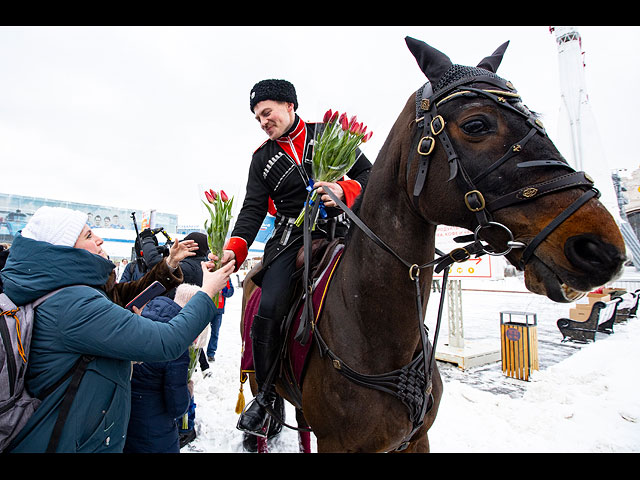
column 519, row 343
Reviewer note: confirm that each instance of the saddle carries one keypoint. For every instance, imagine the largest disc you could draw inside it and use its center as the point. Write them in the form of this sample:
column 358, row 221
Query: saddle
column 294, row 352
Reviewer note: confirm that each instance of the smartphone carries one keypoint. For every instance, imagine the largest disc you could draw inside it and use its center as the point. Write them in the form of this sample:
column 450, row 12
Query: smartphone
column 153, row 290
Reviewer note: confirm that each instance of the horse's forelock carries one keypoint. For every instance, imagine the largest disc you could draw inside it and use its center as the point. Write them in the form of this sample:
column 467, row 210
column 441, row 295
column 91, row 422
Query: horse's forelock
column 458, row 72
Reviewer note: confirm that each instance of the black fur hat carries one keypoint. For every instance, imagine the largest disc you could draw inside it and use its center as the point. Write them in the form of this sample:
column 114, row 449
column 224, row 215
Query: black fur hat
column 278, row 90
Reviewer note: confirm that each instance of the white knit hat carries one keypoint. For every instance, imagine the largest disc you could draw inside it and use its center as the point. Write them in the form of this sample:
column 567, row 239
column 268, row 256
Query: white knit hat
column 184, row 292
column 56, row 225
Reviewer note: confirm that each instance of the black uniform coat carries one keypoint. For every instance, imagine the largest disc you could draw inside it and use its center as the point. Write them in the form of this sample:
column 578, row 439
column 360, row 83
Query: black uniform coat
column 274, row 173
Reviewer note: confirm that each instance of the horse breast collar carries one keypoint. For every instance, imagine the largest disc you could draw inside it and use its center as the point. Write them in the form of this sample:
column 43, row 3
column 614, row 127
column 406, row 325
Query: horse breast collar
column 459, row 81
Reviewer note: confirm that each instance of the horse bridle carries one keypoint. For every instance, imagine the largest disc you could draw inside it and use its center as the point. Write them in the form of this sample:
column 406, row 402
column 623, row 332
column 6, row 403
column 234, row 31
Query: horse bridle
column 434, row 127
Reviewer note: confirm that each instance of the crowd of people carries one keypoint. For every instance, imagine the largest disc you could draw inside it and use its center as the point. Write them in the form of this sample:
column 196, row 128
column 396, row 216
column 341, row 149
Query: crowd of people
column 58, row 251
column 135, row 391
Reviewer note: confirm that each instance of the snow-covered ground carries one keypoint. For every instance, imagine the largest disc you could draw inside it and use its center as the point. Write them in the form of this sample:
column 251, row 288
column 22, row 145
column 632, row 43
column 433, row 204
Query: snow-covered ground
column 583, row 399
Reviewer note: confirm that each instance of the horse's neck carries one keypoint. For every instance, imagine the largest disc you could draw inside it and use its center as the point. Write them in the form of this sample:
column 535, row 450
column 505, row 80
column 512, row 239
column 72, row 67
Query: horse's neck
column 373, row 300
column 386, row 210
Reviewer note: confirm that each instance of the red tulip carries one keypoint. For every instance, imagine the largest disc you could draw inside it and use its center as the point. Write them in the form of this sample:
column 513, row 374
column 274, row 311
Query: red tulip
column 335, row 116
column 344, row 123
column 367, row 137
column 327, row 116
column 211, row 196
column 223, row 196
column 355, row 127
column 352, row 121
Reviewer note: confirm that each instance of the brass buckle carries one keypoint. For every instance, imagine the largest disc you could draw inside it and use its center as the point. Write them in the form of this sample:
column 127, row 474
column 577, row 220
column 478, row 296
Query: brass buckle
column 431, row 146
column 467, row 255
column 437, row 117
column 466, row 201
column 411, row 269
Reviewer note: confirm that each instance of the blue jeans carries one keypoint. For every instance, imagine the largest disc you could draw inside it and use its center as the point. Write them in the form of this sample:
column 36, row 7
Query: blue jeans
column 215, row 329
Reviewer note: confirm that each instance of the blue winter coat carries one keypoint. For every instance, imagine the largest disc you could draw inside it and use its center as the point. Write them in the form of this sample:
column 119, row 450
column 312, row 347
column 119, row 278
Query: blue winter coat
column 159, row 394
column 82, row 320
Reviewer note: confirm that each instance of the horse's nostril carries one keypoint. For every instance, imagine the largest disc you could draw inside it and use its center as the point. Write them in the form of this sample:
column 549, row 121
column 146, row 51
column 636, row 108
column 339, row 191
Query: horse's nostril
column 589, row 253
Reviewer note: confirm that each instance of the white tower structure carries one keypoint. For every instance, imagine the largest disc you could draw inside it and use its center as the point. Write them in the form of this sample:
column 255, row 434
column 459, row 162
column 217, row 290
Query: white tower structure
column 577, row 124
column 578, row 138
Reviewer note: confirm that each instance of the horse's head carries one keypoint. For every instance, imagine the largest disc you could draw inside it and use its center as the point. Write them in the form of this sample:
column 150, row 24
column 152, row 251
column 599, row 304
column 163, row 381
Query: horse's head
column 501, row 177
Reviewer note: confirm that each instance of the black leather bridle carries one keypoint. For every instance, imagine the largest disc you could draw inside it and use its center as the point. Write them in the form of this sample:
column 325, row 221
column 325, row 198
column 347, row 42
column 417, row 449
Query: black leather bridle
column 434, row 128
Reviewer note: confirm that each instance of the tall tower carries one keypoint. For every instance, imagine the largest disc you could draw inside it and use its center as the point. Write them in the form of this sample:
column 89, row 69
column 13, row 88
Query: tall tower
column 573, row 92
column 578, row 136
column 578, row 132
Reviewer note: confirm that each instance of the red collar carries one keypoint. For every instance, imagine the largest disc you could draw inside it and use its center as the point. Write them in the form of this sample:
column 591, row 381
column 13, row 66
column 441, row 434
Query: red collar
column 294, row 141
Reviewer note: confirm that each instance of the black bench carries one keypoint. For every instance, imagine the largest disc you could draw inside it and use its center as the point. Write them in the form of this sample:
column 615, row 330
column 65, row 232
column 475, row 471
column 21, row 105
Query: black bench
column 601, row 319
column 628, row 307
column 633, row 310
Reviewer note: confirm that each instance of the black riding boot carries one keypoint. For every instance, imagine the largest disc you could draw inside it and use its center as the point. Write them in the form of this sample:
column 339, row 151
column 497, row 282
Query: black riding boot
column 265, row 336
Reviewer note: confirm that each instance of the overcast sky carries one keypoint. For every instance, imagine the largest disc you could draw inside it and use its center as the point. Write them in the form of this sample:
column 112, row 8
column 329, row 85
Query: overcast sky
column 146, row 117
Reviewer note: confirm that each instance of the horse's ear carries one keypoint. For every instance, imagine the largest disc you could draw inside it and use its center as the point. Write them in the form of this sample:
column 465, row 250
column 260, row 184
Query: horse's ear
column 432, row 62
column 493, row 61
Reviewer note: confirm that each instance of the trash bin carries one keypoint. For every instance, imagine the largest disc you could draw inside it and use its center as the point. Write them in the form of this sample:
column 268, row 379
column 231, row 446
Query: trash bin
column 519, row 342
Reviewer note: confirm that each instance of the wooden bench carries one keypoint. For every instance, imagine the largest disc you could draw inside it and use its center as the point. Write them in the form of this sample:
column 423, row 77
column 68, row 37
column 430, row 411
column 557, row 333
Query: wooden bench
column 601, row 319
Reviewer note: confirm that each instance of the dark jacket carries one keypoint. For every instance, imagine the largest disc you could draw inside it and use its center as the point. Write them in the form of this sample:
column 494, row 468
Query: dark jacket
column 159, row 394
column 83, row 320
column 273, row 173
column 131, row 272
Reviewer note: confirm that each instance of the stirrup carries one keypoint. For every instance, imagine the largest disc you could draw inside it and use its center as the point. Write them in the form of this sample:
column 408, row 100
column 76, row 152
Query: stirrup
column 260, row 431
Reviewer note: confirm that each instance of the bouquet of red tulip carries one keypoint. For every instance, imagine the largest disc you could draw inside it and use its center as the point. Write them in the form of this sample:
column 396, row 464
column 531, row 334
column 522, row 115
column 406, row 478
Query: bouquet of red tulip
column 219, row 206
column 334, row 152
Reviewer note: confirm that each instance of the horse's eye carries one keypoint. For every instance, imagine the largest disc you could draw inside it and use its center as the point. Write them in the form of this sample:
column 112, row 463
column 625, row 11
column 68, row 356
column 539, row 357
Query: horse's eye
column 475, row 127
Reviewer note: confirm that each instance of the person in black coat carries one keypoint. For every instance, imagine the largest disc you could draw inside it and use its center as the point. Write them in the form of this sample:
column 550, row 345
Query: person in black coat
column 159, row 393
column 279, row 174
column 191, row 265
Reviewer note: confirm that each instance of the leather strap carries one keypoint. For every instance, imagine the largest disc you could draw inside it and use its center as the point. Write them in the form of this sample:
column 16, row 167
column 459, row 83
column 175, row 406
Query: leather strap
column 78, row 372
column 586, row 196
column 532, row 192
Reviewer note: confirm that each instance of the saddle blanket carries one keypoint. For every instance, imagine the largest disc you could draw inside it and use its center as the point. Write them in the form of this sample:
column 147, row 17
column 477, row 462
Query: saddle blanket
column 297, row 352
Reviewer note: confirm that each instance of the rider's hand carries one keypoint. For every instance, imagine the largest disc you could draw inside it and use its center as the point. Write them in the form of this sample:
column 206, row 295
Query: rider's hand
column 334, row 187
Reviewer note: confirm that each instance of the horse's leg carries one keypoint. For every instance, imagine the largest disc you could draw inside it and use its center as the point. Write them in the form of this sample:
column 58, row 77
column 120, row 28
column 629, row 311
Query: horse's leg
column 304, row 438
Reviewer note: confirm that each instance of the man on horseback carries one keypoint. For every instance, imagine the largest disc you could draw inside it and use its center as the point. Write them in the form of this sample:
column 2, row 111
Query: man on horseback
column 279, row 175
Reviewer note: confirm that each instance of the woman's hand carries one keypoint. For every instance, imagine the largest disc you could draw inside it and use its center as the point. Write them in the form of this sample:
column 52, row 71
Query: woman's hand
column 181, row 250
column 214, row 281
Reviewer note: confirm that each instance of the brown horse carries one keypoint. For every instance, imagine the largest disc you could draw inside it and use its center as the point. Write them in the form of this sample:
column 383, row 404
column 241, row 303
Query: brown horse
column 465, row 151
